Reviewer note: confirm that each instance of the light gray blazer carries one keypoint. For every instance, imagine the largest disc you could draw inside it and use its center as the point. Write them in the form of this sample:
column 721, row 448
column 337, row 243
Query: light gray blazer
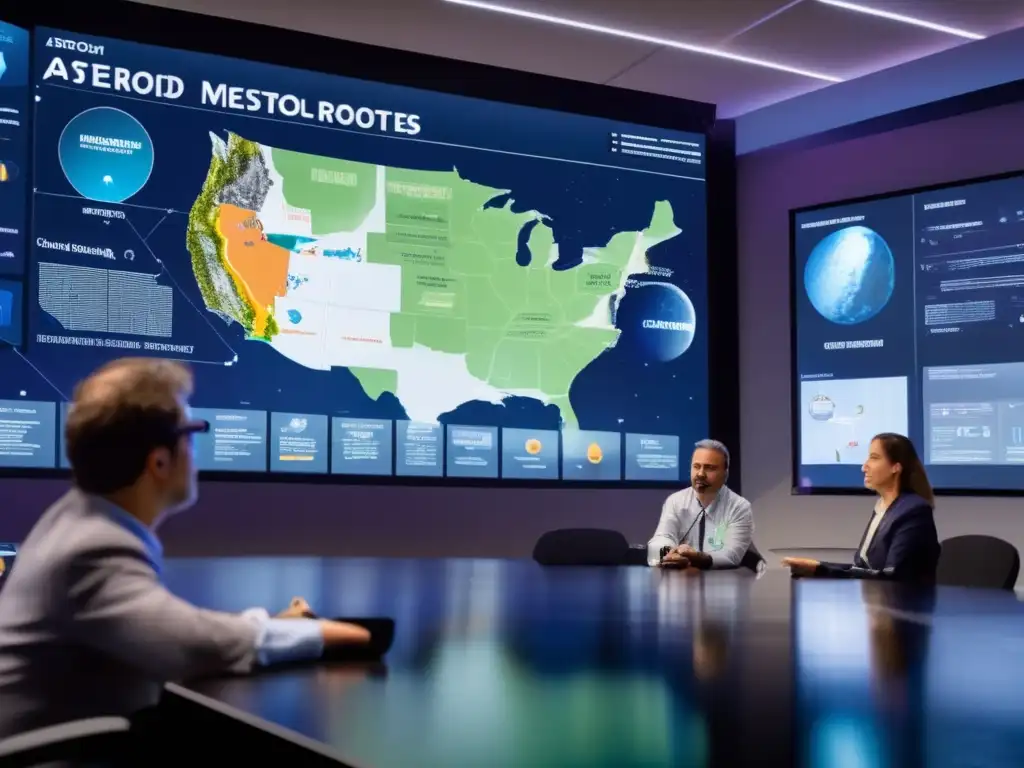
column 87, row 629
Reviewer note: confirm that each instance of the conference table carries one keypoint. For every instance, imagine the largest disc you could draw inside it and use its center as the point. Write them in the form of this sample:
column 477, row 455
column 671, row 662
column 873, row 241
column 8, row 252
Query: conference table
column 507, row 663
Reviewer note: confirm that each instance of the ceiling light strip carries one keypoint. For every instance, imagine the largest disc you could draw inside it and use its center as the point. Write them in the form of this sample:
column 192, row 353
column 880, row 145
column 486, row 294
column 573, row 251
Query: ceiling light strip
column 614, row 32
column 857, row 8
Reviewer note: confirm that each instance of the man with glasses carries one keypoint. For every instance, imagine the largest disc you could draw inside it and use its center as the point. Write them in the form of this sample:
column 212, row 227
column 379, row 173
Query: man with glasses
column 86, row 627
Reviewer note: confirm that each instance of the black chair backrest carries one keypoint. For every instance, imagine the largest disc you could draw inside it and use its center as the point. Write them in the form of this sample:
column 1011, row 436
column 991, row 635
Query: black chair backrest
column 97, row 740
column 581, row 546
column 978, row 561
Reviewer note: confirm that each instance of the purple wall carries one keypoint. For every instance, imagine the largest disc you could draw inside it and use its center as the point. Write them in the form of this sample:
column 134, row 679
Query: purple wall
column 291, row 519
column 770, row 183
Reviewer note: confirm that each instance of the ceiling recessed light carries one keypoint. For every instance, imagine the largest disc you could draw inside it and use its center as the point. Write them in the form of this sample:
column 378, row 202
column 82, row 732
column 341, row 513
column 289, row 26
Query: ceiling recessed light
column 665, row 42
column 857, row 8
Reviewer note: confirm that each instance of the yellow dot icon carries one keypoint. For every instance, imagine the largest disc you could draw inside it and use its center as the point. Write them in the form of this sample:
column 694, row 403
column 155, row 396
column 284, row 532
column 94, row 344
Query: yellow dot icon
column 594, row 453
column 533, row 446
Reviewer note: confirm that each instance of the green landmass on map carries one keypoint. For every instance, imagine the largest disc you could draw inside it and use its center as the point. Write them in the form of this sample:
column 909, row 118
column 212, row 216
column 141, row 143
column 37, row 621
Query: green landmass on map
column 463, row 291
column 528, row 330
column 339, row 194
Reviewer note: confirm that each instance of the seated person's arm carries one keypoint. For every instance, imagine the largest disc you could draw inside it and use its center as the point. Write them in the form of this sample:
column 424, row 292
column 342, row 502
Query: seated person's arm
column 120, row 609
column 738, row 535
column 666, row 534
column 904, row 549
column 805, row 566
column 833, row 569
column 296, row 638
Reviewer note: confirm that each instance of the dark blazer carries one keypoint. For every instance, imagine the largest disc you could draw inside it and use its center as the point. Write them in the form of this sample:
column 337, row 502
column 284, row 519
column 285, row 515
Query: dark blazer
column 905, row 547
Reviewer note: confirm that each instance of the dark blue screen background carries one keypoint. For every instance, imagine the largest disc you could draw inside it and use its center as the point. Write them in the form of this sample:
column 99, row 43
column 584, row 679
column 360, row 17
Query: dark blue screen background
column 588, row 193
column 15, row 135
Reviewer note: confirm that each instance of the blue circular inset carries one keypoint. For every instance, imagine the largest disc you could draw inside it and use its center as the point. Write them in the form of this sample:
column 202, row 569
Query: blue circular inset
column 850, row 275
column 657, row 321
column 106, row 154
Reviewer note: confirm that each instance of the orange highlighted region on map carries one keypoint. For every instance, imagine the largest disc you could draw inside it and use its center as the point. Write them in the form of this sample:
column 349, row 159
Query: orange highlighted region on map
column 259, row 268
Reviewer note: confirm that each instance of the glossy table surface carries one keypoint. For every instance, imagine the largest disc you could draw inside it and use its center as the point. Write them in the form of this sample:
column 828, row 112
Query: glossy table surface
column 505, row 663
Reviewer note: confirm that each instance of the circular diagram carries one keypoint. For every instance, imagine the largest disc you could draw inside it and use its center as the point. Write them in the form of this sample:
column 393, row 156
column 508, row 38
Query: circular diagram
column 657, row 321
column 850, row 275
column 106, row 154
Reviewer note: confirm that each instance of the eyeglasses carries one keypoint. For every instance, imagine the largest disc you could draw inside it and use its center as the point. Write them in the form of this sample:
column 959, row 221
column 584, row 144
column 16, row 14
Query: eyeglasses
column 193, row 428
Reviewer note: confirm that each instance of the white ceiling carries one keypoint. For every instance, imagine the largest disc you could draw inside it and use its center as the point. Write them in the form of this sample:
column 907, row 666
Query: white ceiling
column 801, row 34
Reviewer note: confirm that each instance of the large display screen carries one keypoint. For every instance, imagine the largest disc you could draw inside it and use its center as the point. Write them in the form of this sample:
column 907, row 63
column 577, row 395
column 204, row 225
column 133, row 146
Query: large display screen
column 367, row 279
column 910, row 318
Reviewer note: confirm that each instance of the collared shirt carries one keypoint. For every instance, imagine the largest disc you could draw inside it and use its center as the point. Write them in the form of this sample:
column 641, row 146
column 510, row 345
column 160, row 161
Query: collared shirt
column 277, row 640
column 134, row 526
column 880, row 510
column 728, row 530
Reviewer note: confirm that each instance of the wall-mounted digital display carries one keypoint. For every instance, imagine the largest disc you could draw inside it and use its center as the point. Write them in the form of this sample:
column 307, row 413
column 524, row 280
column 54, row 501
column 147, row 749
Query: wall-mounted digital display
column 910, row 319
column 367, row 279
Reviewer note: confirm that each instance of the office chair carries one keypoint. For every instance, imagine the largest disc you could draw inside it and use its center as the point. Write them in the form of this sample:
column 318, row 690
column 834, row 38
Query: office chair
column 978, row 561
column 103, row 739
column 581, row 546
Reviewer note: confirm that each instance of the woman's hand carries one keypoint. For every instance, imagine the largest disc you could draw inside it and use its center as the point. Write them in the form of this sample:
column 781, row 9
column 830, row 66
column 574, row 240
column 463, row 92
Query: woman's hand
column 800, row 566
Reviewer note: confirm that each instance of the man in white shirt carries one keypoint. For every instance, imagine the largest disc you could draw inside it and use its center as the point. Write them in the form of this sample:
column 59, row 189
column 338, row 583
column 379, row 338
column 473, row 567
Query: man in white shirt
column 718, row 538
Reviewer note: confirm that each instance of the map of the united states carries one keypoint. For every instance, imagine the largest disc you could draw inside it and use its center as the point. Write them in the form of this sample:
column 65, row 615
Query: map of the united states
column 421, row 283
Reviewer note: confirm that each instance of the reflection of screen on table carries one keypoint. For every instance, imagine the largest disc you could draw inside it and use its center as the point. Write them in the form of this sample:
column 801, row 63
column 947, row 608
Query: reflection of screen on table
column 366, row 279
column 910, row 319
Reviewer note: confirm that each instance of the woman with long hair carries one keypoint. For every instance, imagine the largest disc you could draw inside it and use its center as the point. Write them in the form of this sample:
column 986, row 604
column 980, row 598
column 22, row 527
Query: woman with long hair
column 900, row 542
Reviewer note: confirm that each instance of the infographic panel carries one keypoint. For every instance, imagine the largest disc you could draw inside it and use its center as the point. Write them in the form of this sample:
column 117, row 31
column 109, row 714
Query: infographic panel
column 591, row 455
column 529, row 454
column 361, row 446
column 27, row 433
column 652, row 457
column 420, row 449
column 299, row 443
column 15, row 146
column 354, row 260
column 910, row 312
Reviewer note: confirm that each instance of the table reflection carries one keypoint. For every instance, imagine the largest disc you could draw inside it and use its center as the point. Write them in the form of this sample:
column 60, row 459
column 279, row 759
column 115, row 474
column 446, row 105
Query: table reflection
column 498, row 663
column 886, row 674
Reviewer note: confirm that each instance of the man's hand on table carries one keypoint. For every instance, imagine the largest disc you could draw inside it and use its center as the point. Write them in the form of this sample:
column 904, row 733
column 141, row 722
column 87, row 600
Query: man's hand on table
column 298, row 608
column 334, row 632
column 674, row 561
column 695, row 559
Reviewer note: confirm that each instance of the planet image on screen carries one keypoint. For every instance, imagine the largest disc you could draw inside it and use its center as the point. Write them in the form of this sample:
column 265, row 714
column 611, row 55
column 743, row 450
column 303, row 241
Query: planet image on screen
column 657, row 321
column 850, row 275
column 106, row 154
column 533, row 446
column 594, row 453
